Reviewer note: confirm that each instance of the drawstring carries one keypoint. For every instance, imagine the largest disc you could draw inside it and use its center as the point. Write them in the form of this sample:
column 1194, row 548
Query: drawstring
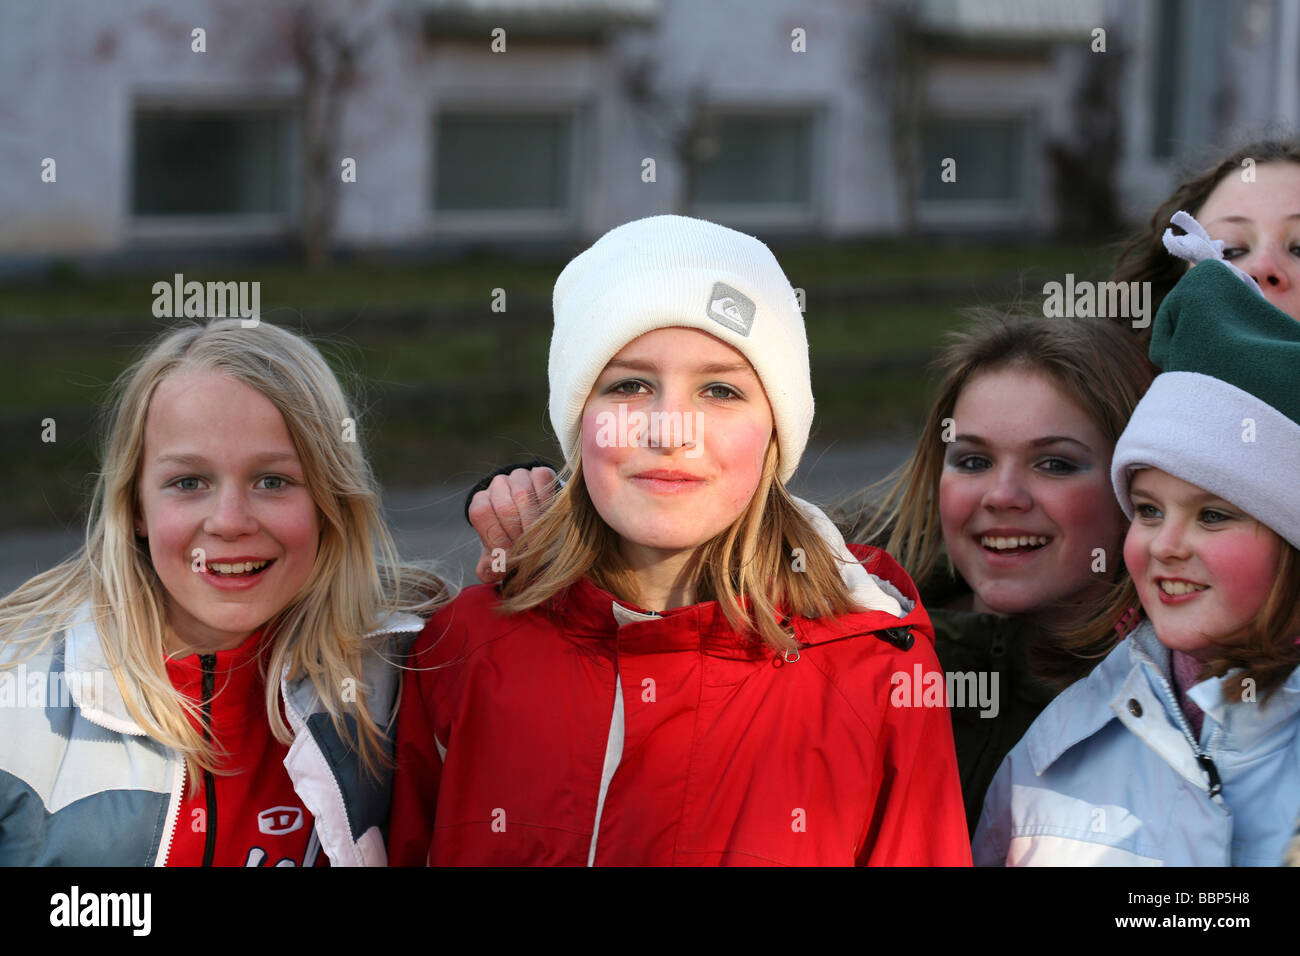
column 786, row 655
column 1196, row 246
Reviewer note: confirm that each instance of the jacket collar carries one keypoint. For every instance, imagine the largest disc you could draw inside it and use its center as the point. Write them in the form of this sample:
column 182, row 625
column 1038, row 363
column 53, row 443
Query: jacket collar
column 586, row 610
column 1078, row 712
column 1132, row 685
column 100, row 699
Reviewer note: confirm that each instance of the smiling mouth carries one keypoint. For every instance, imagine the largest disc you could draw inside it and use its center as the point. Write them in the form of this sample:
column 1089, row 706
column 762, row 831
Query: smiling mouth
column 241, row 569
column 1013, row 545
column 1175, row 588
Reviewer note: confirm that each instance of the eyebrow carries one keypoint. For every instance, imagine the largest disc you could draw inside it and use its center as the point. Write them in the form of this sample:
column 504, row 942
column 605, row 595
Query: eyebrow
column 1247, row 219
column 1036, row 443
column 198, row 461
column 1205, row 497
column 712, row 368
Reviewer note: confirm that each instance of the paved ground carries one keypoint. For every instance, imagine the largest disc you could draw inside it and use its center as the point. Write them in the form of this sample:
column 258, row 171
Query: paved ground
column 428, row 522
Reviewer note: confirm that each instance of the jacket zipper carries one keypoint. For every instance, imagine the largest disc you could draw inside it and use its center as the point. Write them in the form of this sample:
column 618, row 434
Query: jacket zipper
column 1202, row 757
column 209, row 664
column 169, row 832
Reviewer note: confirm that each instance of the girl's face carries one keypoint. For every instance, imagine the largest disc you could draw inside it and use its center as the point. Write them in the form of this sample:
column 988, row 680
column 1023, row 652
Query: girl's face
column 1202, row 566
column 673, row 440
column 1025, row 496
column 220, row 474
column 1259, row 223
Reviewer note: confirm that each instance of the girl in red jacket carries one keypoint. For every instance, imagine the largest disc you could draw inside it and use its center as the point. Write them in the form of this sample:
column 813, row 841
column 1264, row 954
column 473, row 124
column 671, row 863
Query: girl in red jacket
column 685, row 665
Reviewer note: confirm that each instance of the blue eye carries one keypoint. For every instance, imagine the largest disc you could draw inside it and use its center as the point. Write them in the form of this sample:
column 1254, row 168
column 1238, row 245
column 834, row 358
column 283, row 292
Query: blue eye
column 1059, row 466
column 970, row 463
column 283, row 482
column 628, row 387
column 727, row 392
column 179, row 483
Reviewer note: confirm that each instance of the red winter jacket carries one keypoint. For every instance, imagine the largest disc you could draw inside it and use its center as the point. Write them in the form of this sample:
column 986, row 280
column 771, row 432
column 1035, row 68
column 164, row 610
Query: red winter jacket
column 562, row 736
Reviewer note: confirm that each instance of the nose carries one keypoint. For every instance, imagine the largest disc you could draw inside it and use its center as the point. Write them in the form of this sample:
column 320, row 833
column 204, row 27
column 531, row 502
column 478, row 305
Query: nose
column 675, row 424
column 231, row 515
column 1007, row 491
column 1170, row 544
column 1271, row 270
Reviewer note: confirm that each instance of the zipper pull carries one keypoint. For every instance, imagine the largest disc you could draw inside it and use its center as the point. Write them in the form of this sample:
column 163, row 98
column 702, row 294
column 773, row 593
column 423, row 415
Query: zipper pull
column 900, row 637
column 209, row 664
column 1216, row 785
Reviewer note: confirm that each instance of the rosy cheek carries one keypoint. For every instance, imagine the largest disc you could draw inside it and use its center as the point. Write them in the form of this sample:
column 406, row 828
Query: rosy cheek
column 1089, row 511
column 749, row 445
column 1136, row 553
column 957, row 500
column 1243, row 565
column 741, row 451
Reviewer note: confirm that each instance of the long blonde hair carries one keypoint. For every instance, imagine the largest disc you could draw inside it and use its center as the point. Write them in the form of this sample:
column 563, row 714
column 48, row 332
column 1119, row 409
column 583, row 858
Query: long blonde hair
column 357, row 578
column 1096, row 364
column 754, row 562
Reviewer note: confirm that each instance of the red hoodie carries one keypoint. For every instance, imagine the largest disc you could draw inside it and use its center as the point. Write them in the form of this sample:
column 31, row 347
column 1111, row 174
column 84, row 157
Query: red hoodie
column 586, row 731
column 252, row 816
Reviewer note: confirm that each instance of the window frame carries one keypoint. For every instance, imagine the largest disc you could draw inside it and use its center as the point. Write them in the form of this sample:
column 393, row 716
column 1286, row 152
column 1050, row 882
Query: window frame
column 218, row 225
column 495, row 222
column 798, row 216
column 938, row 213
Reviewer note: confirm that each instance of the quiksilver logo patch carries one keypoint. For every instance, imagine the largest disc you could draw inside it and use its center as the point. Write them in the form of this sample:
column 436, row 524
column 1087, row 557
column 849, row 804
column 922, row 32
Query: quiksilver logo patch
column 730, row 308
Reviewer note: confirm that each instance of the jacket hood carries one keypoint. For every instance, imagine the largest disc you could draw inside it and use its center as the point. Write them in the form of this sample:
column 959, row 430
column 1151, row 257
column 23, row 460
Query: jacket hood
column 588, row 611
column 100, row 700
column 868, row 590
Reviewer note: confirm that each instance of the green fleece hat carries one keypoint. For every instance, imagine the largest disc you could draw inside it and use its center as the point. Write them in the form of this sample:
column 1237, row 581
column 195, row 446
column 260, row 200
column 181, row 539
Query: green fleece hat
column 1225, row 413
column 1214, row 324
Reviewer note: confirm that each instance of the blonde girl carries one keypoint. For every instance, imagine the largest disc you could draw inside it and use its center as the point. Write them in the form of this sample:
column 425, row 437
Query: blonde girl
column 213, row 663
column 685, row 665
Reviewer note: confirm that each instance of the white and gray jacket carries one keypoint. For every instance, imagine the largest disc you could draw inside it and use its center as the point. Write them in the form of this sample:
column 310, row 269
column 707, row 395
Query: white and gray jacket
column 1111, row 774
column 82, row 784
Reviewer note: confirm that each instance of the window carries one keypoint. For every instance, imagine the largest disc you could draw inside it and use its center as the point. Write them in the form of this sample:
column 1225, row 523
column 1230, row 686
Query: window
column 755, row 161
column 211, row 162
column 1168, row 79
column 503, row 163
column 990, row 161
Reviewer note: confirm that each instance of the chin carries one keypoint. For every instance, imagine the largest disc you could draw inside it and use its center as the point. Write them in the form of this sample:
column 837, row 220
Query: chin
column 660, row 542
column 1012, row 602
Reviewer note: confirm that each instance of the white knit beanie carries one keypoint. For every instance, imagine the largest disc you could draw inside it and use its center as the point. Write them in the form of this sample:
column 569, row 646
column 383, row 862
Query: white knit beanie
column 672, row 271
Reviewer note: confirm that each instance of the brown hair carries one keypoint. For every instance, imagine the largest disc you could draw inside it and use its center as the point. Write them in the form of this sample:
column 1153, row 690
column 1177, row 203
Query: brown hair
column 1094, row 362
column 748, row 562
column 1266, row 645
column 1143, row 258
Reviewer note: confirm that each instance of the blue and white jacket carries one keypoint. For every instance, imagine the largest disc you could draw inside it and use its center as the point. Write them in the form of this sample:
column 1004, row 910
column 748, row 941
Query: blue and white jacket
column 1110, row 774
column 82, row 784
